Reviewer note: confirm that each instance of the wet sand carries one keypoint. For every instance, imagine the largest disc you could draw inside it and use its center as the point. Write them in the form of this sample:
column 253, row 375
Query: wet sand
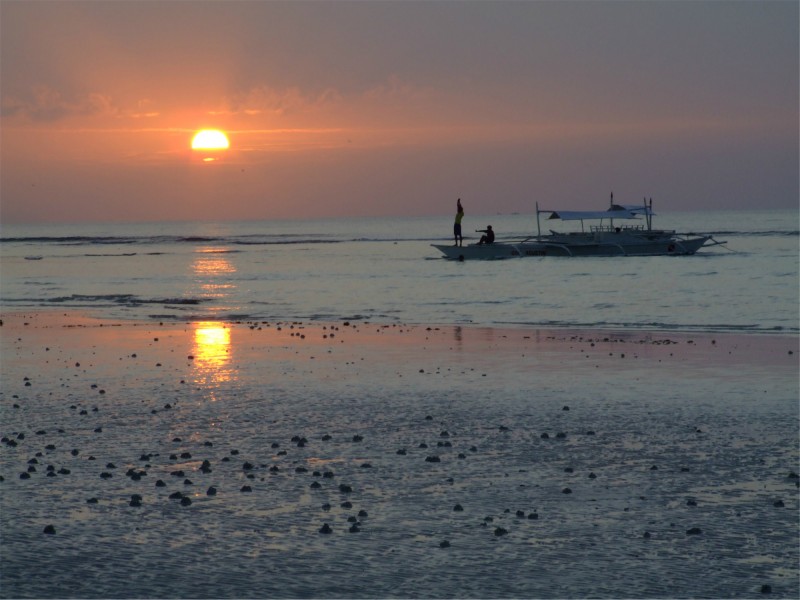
column 360, row 460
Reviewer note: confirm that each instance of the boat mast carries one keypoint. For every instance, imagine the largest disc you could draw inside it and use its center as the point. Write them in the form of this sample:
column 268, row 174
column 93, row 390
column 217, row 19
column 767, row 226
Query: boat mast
column 538, row 226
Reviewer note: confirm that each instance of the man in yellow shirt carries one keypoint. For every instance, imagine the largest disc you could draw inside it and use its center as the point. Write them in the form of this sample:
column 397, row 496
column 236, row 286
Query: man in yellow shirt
column 457, row 225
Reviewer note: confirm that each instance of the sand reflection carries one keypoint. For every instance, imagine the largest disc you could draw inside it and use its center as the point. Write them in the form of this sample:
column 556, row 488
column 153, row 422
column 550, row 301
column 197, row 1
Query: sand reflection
column 212, row 354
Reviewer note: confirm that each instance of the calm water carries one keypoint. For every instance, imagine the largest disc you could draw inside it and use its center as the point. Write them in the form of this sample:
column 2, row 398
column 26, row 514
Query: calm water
column 384, row 270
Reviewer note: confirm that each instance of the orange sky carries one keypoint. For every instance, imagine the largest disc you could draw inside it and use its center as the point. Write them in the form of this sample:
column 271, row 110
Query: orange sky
column 390, row 108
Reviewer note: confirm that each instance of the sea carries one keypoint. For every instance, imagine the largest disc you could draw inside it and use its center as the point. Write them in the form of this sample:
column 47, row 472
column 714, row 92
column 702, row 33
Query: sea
column 385, row 270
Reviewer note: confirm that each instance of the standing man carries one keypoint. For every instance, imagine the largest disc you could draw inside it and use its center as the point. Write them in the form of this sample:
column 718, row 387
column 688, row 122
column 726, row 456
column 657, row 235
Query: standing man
column 457, row 225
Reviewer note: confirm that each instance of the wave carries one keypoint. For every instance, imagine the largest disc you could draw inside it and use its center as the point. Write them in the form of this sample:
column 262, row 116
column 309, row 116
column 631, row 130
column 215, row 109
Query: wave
column 659, row 326
column 764, row 233
column 257, row 240
column 105, row 299
column 279, row 239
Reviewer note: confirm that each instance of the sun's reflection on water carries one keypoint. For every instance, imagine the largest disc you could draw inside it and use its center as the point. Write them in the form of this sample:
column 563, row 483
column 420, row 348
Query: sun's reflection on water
column 212, row 354
column 212, row 270
column 212, row 350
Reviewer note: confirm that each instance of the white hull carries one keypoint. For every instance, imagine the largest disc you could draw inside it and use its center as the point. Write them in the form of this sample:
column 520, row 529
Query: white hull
column 579, row 245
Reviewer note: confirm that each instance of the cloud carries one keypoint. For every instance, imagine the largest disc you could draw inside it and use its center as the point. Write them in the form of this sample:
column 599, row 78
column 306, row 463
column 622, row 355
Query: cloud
column 47, row 105
column 287, row 102
column 44, row 104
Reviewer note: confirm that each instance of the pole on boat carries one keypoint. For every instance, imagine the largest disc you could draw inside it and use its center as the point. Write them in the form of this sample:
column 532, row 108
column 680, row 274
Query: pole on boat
column 538, row 226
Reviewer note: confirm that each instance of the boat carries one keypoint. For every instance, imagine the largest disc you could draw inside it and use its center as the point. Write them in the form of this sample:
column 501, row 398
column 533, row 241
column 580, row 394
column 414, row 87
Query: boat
column 605, row 236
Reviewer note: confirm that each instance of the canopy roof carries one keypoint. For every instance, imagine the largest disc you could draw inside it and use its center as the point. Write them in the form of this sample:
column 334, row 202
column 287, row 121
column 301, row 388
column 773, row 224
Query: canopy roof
column 615, row 212
column 579, row 215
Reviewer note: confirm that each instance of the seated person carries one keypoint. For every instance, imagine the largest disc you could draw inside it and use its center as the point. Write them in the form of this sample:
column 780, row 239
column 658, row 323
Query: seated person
column 488, row 236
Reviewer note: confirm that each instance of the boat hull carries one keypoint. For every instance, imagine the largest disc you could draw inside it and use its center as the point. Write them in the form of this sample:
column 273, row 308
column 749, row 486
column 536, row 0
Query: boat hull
column 558, row 247
column 496, row 251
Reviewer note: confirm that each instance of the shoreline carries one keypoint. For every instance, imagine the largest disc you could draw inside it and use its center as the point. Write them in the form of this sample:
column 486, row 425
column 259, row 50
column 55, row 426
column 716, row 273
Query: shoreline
column 717, row 348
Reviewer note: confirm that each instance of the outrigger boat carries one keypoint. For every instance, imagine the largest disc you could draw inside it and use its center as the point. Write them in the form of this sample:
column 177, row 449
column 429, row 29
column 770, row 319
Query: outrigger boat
column 606, row 238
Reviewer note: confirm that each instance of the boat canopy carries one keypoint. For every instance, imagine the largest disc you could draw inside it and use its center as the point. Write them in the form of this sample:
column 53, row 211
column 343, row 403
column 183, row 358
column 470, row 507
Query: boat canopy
column 617, row 211
column 580, row 215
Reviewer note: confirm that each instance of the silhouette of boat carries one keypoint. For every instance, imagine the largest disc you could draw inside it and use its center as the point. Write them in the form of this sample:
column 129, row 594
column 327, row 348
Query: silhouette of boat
column 605, row 236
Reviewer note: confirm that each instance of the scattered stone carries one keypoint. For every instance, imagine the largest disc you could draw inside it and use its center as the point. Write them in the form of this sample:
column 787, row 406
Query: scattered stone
column 49, row 530
column 444, row 544
column 326, row 529
column 499, row 531
column 694, row 531
column 566, row 491
column 458, row 508
column 766, row 588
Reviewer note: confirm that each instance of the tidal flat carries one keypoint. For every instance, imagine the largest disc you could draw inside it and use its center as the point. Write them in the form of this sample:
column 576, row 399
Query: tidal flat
column 358, row 460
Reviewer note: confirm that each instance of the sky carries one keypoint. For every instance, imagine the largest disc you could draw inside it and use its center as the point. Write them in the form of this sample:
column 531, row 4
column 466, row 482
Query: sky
column 341, row 109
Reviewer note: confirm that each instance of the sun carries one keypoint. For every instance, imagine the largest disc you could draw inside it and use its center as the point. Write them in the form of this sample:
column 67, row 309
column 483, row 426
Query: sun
column 210, row 139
